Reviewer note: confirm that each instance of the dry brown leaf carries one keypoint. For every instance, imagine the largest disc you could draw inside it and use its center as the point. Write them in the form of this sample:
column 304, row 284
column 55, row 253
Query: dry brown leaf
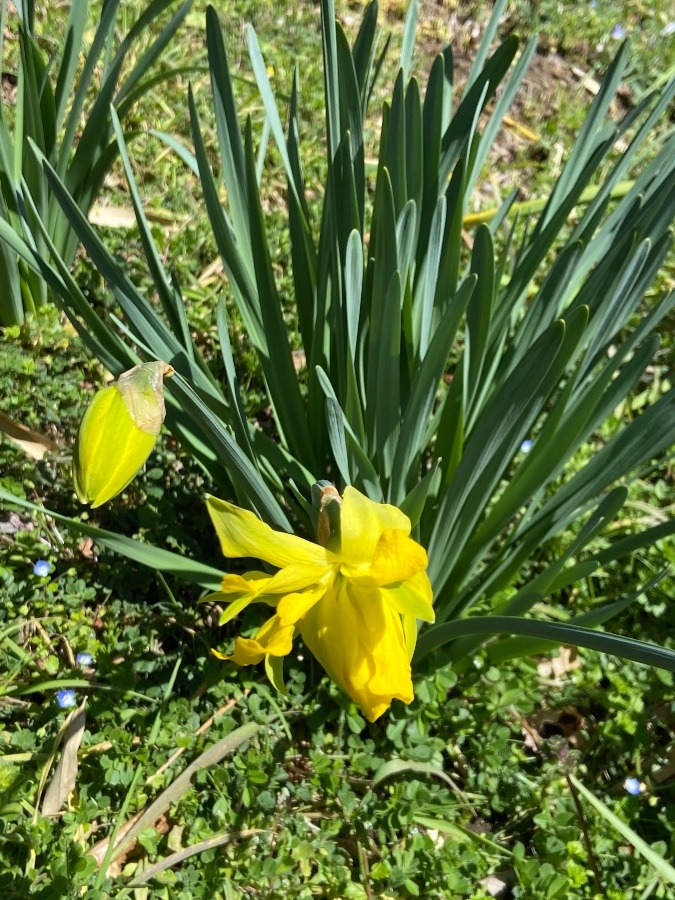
column 557, row 666
column 87, row 548
column 532, row 738
column 155, row 812
column 124, row 217
column 495, row 887
column 299, row 360
column 521, row 129
column 98, row 851
column 64, row 778
column 33, row 444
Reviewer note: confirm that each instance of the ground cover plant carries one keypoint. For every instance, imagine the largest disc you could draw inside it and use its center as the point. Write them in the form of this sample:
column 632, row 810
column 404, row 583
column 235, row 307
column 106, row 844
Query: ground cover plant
column 543, row 334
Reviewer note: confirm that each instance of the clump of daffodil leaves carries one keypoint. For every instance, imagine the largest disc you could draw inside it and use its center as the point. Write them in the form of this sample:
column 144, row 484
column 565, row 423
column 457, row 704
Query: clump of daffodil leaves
column 427, row 366
column 354, row 597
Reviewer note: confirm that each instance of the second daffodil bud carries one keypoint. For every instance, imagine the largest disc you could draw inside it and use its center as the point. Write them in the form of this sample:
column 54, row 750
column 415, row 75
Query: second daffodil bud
column 118, row 431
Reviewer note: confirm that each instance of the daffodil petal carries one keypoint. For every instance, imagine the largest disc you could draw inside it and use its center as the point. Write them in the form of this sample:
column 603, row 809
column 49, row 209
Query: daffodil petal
column 362, row 522
column 412, row 597
column 276, row 637
column 247, row 652
column 249, row 583
column 241, row 590
column 293, row 607
column 410, row 633
column 274, row 669
column 396, row 557
column 256, row 587
column 234, row 607
column 273, row 638
column 359, row 640
column 242, row 533
column 298, row 578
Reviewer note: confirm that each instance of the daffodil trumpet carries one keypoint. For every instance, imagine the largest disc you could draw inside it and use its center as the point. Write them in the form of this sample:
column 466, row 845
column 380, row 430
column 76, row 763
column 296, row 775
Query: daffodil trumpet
column 118, row 431
column 354, row 597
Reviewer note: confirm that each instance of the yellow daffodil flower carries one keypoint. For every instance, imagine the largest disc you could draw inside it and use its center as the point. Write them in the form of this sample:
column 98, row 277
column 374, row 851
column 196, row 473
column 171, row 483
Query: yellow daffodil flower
column 354, row 600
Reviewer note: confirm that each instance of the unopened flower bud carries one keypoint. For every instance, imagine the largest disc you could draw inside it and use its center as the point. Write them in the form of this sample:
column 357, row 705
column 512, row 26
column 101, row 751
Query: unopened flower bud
column 118, row 432
column 328, row 500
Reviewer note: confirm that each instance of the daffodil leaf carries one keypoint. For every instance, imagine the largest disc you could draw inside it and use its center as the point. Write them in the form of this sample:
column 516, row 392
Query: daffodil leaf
column 147, row 554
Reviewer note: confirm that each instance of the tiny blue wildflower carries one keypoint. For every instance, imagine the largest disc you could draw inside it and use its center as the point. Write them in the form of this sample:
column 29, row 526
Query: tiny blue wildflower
column 668, row 29
column 42, row 568
column 633, row 786
column 84, row 659
column 66, row 698
column 526, row 446
column 618, row 33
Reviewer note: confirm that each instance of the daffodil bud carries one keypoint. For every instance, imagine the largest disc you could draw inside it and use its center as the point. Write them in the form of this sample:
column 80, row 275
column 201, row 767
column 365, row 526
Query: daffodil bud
column 118, row 431
column 327, row 500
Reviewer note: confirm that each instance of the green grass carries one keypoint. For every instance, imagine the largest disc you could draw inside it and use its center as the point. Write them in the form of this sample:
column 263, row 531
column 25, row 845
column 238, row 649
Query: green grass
column 300, row 807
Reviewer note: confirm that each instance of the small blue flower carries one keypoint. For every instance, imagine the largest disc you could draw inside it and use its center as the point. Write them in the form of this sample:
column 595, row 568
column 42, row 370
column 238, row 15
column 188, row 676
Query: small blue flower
column 633, row 787
column 66, row 698
column 84, row 659
column 668, row 29
column 526, row 446
column 42, row 568
column 618, row 33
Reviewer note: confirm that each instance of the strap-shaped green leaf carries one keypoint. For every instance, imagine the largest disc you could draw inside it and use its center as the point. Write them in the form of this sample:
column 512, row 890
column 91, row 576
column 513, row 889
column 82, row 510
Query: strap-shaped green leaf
column 500, row 429
column 260, row 72
column 465, row 120
column 303, row 251
column 566, row 427
column 479, row 316
column 251, row 489
column 141, row 315
column 147, row 554
column 411, row 442
column 507, row 92
column 363, row 52
column 614, row 644
column 77, row 18
column 101, row 340
column 359, row 462
column 663, row 868
column 230, row 142
column 590, row 135
column 643, row 439
column 436, row 113
column 240, row 423
column 331, row 77
column 425, row 313
column 517, row 647
column 336, row 436
column 168, row 293
column 408, row 42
